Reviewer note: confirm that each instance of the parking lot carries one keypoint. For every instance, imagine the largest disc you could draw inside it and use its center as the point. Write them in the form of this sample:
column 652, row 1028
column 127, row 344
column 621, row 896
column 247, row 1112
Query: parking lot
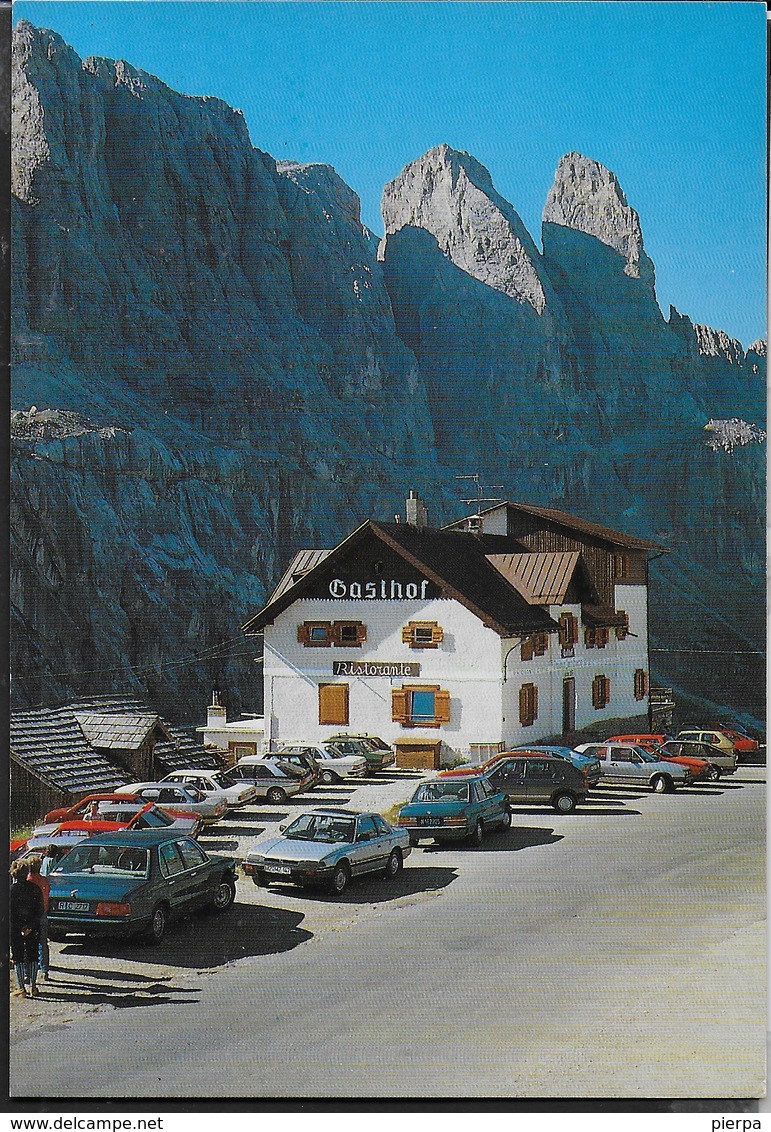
column 631, row 930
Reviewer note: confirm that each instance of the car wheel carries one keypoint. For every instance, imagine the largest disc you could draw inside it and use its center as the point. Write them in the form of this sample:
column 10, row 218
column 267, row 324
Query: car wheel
column 328, row 777
column 340, row 878
column 506, row 819
column 478, row 834
column 564, row 803
column 276, row 794
column 261, row 880
column 158, row 923
column 661, row 784
column 714, row 773
column 224, row 894
column 394, row 864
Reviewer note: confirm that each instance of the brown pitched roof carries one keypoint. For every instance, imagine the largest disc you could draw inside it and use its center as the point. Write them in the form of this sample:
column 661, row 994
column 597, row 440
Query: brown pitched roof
column 455, row 561
column 574, row 522
column 541, row 577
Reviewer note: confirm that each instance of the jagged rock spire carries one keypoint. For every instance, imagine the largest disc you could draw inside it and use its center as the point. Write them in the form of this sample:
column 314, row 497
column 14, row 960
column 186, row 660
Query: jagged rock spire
column 449, row 194
column 587, row 197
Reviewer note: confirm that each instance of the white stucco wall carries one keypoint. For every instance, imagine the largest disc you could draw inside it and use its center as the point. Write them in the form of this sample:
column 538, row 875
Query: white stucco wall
column 466, row 664
column 469, row 664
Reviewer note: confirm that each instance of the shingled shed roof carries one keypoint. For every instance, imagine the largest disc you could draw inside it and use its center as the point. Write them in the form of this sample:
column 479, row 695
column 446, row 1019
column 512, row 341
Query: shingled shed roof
column 571, row 522
column 302, row 562
column 173, row 747
column 119, row 731
column 49, row 744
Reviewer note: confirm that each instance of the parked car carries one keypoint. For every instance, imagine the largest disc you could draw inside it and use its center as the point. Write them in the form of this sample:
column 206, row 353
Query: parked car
column 583, row 762
column 135, row 882
column 297, row 765
column 175, row 796
column 333, row 764
column 714, row 738
column 215, row 784
column 743, row 743
column 329, row 847
column 541, row 779
column 126, row 812
column 451, row 808
column 377, row 752
column 634, row 766
column 267, row 778
column 724, row 761
column 700, row 768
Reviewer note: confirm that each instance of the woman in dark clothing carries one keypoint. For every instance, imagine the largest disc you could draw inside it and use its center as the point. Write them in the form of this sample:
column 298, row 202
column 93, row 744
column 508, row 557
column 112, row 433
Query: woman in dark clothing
column 25, row 911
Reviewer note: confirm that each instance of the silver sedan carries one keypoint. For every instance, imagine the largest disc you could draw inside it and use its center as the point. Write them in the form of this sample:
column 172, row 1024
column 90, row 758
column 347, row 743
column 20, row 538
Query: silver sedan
column 328, row 847
column 179, row 795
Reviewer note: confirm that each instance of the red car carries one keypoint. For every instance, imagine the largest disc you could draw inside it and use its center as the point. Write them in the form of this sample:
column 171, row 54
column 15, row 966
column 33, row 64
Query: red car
column 743, row 744
column 701, row 769
column 109, row 813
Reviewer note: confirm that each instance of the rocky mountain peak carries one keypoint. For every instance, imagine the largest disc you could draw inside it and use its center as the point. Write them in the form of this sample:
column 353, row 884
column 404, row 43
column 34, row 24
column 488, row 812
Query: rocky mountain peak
column 587, row 197
column 758, row 347
column 451, row 195
column 713, row 343
column 323, row 181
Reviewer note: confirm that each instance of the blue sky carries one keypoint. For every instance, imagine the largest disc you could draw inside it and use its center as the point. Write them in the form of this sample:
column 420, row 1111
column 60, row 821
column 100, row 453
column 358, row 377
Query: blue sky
column 670, row 96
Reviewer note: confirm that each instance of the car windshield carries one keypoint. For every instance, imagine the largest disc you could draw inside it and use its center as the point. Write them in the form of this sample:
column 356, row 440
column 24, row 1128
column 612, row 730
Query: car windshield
column 127, row 860
column 153, row 819
column 442, row 792
column 646, row 756
column 321, row 827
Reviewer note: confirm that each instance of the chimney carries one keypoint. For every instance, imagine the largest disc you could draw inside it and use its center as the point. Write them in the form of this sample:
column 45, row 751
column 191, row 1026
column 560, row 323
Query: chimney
column 417, row 515
column 216, row 714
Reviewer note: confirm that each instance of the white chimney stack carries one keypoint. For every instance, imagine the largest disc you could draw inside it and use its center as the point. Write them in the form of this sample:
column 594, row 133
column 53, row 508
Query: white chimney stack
column 216, row 714
column 417, row 515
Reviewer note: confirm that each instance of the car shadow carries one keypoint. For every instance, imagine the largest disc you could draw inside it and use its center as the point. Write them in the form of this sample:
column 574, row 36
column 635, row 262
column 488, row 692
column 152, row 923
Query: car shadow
column 744, row 782
column 202, row 941
column 509, row 840
column 228, row 834
column 372, row 889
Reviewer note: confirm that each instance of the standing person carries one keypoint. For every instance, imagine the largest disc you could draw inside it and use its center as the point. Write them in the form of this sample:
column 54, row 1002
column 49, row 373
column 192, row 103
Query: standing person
column 36, row 877
column 51, row 855
column 25, row 907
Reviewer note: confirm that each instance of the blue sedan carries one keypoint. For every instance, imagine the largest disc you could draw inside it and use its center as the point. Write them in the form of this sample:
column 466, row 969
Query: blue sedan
column 134, row 883
column 452, row 809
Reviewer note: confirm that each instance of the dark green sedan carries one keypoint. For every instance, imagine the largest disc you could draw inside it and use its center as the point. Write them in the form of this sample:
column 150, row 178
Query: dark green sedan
column 134, row 883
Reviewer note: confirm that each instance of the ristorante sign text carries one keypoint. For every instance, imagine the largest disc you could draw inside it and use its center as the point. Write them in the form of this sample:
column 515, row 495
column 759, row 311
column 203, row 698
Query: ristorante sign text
column 374, row 668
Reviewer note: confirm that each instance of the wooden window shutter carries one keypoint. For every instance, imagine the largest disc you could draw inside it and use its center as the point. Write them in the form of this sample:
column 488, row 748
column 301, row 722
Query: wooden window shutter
column 573, row 629
column 590, row 638
column 442, row 706
column 333, row 703
column 528, row 704
column 622, row 630
column 540, row 643
column 361, row 632
column 603, row 635
column 640, row 684
column 399, row 706
column 527, row 649
column 303, row 634
column 407, row 634
column 596, row 692
column 437, row 634
column 564, row 630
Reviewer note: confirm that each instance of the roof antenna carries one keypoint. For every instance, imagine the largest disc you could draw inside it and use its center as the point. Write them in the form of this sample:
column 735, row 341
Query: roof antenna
column 479, row 497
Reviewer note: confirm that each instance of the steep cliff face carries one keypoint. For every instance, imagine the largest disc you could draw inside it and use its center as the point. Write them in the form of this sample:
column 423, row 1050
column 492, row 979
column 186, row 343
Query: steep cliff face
column 225, row 370
column 229, row 319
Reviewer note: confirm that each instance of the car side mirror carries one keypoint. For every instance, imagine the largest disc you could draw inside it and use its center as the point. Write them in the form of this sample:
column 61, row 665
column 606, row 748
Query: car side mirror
column 281, row 828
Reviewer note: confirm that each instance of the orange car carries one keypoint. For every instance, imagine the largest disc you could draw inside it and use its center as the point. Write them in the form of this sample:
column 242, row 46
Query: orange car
column 701, row 769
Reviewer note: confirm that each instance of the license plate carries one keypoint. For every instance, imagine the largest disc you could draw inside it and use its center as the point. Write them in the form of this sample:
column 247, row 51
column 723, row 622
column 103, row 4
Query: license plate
column 284, row 870
column 73, row 906
column 430, row 821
